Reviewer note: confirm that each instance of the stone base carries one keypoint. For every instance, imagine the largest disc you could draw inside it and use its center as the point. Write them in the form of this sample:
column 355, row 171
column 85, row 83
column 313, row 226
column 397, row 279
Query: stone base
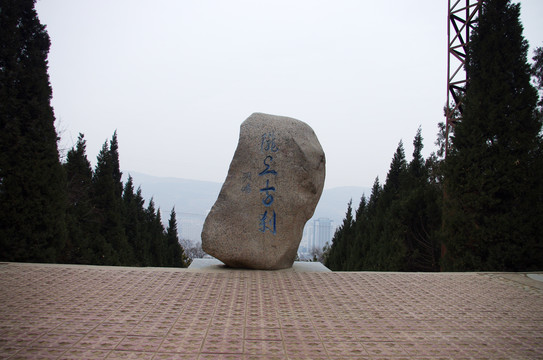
column 216, row 265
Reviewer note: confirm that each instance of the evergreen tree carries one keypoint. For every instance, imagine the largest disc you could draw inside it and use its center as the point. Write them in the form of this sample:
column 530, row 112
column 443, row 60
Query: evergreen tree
column 389, row 230
column 417, row 168
column 32, row 190
column 110, row 239
column 340, row 242
column 142, row 244
column 421, row 214
column 396, row 173
column 492, row 172
column 362, row 250
column 156, row 236
column 379, row 232
column 396, row 229
column 134, row 223
column 356, row 250
column 376, row 191
column 537, row 73
column 115, row 165
column 176, row 256
column 374, row 241
column 80, row 213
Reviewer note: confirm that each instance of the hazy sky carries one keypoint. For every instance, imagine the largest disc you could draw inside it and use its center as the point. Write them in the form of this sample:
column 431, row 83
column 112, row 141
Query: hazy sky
column 176, row 78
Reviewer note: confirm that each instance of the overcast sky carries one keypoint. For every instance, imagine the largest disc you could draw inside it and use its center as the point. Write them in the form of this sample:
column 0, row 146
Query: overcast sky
column 177, row 78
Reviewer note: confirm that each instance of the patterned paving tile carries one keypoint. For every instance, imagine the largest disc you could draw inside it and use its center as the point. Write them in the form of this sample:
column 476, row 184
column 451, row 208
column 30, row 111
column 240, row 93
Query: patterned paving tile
column 170, row 356
column 264, row 347
column 271, row 334
column 346, row 349
column 313, row 349
column 297, row 335
column 140, row 343
column 99, row 341
column 182, row 345
column 38, row 353
column 57, row 340
column 132, row 355
column 86, row 312
column 77, row 354
column 222, row 346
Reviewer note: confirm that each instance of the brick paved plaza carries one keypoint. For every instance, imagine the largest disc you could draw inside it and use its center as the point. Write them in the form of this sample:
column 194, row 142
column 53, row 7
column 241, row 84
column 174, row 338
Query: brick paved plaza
column 90, row 312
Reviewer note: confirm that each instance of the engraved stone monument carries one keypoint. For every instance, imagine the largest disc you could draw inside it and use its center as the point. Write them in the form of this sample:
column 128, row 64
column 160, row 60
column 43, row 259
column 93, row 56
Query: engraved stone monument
column 273, row 185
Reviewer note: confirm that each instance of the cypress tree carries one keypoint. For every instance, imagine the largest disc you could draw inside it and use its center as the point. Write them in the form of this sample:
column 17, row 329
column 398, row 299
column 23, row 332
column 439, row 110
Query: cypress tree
column 116, row 173
column 107, row 198
column 416, row 167
column 32, row 190
column 376, row 191
column 395, row 230
column 363, row 243
column 142, row 243
column 420, row 214
column 493, row 177
column 80, row 213
column 341, row 242
column 389, row 234
column 367, row 237
column 396, row 173
column 356, row 251
column 176, row 256
column 155, row 236
column 133, row 215
column 537, row 73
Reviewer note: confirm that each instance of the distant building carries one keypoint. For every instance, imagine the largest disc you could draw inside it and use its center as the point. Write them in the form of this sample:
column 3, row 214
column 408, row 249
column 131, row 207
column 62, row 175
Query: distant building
column 317, row 233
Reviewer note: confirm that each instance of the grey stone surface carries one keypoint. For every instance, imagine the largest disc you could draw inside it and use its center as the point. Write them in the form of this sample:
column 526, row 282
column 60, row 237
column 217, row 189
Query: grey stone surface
column 538, row 277
column 215, row 265
column 272, row 187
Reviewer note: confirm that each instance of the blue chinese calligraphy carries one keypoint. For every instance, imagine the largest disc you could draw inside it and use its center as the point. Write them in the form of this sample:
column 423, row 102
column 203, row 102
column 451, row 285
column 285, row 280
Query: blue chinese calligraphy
column 268, row 169
column 246, row 182
column 268, row 223
column 268, row 219
column 268, row 200
column 268, row 143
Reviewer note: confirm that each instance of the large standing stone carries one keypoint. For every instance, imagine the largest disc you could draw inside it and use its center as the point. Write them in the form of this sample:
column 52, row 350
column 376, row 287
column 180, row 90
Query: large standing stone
column 273, row 185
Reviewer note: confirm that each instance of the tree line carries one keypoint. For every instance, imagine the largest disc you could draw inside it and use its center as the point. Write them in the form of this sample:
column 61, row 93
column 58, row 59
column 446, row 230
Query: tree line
column 394, row 229
column 481, row 206
column 63, row 212
column 107, row 222
column 478, row 208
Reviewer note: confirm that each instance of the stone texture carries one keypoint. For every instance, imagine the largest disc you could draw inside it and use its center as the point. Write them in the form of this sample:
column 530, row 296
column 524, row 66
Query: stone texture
column 273, row 185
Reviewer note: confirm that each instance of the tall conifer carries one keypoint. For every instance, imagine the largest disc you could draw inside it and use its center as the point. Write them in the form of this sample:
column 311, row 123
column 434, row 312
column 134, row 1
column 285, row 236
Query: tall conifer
column 492, row 212
column 420, row 213
column 108, row 203
column 341, row 242
column 133, row 216
column 32, row 197
column 176, row 256
column 396, row 173
column 395, row 230
column 80, row 212
column 156, row 236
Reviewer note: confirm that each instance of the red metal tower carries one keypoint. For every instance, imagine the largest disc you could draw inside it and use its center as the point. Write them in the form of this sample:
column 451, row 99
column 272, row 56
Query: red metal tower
column 461, row 17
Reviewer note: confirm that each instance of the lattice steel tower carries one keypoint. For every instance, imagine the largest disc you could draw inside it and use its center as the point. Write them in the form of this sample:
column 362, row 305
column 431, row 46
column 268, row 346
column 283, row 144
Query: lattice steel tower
column 461, row 17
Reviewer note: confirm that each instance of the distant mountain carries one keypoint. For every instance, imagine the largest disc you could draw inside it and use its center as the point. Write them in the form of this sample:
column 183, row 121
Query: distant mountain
column 188, row 196
column 194, row 198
